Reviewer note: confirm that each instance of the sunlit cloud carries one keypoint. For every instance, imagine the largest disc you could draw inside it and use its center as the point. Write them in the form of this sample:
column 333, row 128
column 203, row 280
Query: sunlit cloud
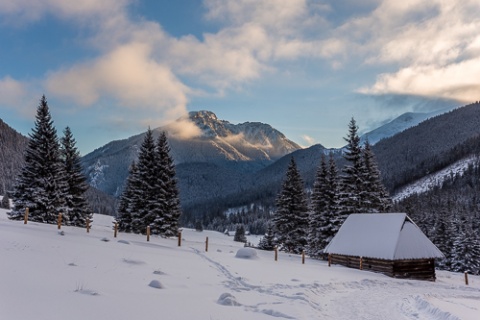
column 435, row 45
column 308, row 139
column 184, row 128
column 129, row 75
column 457, row 81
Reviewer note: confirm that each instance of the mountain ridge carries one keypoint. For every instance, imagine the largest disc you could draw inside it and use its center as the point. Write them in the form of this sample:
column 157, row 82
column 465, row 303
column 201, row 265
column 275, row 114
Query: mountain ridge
column 198, row 138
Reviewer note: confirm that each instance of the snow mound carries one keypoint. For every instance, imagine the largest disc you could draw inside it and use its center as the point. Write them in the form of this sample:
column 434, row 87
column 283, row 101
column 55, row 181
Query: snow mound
column 227, row 299
column 246, row 253
column 155, row 284
column 123, row 241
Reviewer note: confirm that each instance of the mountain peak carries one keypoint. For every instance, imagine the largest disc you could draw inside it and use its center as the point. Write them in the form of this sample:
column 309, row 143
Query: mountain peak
column 202, row 114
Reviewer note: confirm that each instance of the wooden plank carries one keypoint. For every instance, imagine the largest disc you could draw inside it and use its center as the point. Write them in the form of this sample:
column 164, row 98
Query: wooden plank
column 422, row 269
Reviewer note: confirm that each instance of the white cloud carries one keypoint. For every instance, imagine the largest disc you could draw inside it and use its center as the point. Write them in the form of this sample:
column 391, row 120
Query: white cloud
column 434, row 46
column 308, row 139
column 11, row 91
column 127, row 74
column 184, row 128
column 458, row 81
column 15, row 95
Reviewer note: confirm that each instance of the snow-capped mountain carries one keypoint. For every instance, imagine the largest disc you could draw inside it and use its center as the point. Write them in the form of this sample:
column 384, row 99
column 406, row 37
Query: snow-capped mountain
column 221, row 140
column 199, row 137
column 399, row 124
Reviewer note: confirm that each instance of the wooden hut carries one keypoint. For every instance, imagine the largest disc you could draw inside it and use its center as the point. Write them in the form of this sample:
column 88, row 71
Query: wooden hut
column 388, row 243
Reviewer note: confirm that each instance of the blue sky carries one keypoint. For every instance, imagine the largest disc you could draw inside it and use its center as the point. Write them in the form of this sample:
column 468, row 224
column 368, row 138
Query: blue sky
column 111, row 68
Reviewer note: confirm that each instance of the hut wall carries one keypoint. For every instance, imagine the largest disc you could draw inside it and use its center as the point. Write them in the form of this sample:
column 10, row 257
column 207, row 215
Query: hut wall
column 422, row 269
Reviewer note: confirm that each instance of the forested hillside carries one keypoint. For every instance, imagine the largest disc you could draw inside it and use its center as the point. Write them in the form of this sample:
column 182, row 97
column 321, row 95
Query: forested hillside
column 450, row 216
column 429, row 146
column 12, row 146
column 403, row 158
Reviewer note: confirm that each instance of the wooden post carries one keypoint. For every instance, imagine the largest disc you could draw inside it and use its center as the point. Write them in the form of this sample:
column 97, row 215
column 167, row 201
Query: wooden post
column 148, row 233
column 25, row 217
column 466, row 278
column 88, row 225
column 206, row 245
column 329, row 260
column 361, row 263
column 179, row 238
column 59, row 221
column 115, row 229
column 276, row 253
column 303, row 256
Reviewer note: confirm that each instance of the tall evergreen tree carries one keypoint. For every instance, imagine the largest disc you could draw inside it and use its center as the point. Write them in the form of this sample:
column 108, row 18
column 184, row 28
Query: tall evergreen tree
column 129, row 200
column 168, row 191
column 148, row 209
column 291, row 218
column 353, row 193
column 76, row 206
column 376, row 198
column 319, row 210
column 466, row 250
column 443, row 236
column 41, row 183
column 324, row 217
column 151, row 196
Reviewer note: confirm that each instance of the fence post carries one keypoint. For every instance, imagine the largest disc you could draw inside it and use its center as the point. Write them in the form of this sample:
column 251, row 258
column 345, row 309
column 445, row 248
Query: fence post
column 88, row 225
column 329, row 260
column 59, row 221
column 276, row 253
column 206, row 245
column 148, row 233
column 466, row 278
column 303, row 256
column 25, row 217
column 361, row 263
column 115, row 229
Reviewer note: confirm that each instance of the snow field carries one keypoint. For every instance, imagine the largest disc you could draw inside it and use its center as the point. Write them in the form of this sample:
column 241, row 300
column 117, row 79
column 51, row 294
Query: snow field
column 46, row 275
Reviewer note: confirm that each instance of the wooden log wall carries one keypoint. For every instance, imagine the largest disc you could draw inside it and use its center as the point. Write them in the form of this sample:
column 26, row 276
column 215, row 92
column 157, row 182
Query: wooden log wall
column 422, row 269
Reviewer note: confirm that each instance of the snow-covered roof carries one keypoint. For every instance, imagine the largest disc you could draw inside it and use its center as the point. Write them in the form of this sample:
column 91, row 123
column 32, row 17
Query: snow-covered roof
column 389, row 236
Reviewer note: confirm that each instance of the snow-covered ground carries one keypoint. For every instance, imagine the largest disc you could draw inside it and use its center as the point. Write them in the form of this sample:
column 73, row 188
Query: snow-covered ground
column 47, row 275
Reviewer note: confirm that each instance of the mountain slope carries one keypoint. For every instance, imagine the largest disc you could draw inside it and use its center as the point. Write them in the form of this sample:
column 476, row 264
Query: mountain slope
column 404, row 158
column 12, row 146
column 399, row 124
column 200, row 138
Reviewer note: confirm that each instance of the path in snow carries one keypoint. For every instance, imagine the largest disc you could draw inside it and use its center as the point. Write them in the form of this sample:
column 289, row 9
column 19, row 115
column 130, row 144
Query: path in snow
column 367, row 299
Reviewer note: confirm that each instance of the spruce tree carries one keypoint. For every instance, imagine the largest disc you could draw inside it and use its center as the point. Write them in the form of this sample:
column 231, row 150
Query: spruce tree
column 240, row 234
column 291, row 218
column 268, row 241
column 352, row 193
column 147, row 209
column 169, row 196
column 443, row 236
column 376, row 198
column 324, row 216
column 41, row 184
column 151, row 196
column 128, row 201
column 76, row 206
column 319, row 208
column 5, row 202
column 466, row 250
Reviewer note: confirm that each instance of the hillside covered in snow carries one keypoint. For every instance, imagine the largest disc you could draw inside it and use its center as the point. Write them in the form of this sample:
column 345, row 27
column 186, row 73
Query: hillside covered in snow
column 70, row 274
